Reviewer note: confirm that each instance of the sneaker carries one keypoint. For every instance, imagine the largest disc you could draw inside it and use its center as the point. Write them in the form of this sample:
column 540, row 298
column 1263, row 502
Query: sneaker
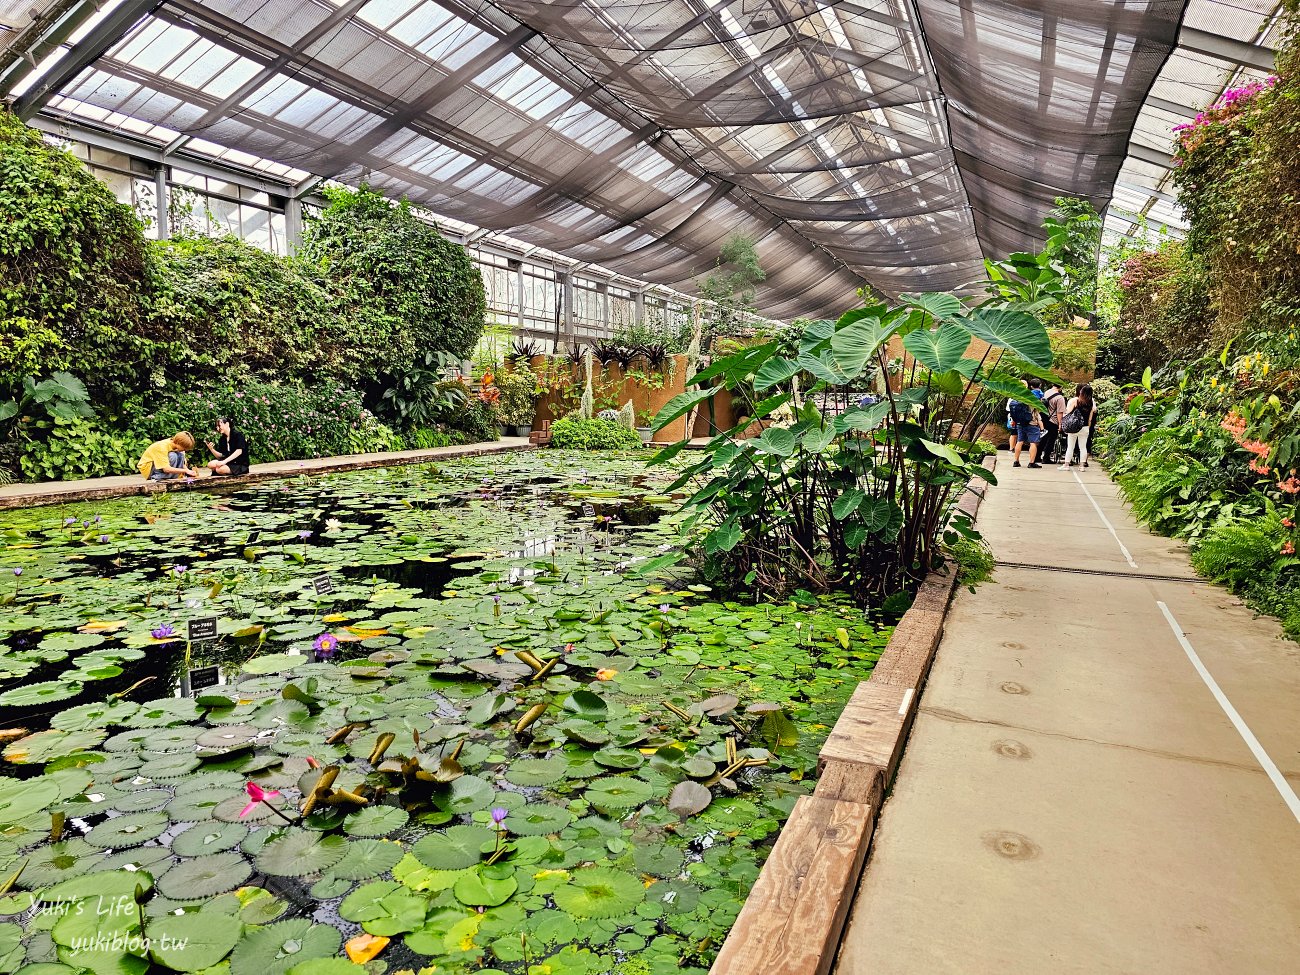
column 1016, row 464
column 1085, row 465
column 1035, row 465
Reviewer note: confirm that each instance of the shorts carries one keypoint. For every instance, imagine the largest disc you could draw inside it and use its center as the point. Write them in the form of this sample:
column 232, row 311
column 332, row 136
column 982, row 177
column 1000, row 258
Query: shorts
column 1028, row 433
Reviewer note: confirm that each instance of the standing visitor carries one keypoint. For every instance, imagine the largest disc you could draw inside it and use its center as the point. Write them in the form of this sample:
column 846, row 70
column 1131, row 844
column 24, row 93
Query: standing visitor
column 1054, row 400
column 231, row 451
column 1011, row 428
column 164, row 460
column 1080, row 418
column 1028, row 431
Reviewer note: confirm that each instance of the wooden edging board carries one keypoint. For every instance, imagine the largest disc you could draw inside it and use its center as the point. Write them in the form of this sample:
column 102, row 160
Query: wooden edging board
column 793, row 918
column 120, row 487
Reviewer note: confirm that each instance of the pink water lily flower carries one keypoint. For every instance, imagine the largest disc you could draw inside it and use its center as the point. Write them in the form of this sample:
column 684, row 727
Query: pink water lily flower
column 256, row 794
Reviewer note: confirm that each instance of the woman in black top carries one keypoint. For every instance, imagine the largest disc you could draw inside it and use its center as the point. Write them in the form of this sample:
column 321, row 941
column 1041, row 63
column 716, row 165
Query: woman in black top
column 231, row 451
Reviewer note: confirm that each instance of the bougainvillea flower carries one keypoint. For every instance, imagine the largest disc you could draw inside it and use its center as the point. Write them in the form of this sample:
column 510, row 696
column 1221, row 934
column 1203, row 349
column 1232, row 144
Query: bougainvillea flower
column 1290, row 485
column 1288, row 548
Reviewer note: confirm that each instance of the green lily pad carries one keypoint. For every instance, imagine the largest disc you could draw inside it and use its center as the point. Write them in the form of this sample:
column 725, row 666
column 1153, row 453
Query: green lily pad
column 481, row 889
column 454, row 848
column 203, row 838
column 192, row 942
column 538, row 819
column 597, row 892
column 131, row 829
column 384, row 908
column 367, row 858
column 537, row 771
column 298, row 852
column 276, row 948
column 205, row 876
column 619, row 792
column 375, row 821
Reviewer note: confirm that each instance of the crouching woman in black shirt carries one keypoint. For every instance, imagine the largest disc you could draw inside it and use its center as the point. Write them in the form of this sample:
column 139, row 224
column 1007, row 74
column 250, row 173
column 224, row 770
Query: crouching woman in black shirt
column 231, row 451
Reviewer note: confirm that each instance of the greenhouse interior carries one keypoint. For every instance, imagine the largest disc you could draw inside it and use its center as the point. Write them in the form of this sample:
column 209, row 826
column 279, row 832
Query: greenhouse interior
column 649, row 487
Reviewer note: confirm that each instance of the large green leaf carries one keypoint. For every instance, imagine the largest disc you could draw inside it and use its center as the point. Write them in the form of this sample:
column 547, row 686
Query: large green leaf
column 856, row 344
column 847, row 503
column 276, row 948
column 1018, row 331
column 938, row 305
column 192, row 942
column 777, row 440
column 681, row 404
column 938, row 349
column 773, row 372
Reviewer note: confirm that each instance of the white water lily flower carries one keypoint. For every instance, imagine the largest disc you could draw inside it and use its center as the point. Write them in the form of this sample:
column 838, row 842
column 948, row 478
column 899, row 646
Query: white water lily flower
column 333, row 523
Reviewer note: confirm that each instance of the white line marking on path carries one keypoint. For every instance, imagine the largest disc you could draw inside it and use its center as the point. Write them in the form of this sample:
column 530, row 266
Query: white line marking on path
column 1261, row 756
column 1105, row 521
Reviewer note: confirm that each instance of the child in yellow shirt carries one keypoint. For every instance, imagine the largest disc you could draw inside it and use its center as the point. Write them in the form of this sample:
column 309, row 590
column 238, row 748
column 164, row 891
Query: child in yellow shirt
column 164, row 460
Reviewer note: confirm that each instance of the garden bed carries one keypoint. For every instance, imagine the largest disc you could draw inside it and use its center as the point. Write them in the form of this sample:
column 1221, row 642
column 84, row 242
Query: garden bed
column 496, row 644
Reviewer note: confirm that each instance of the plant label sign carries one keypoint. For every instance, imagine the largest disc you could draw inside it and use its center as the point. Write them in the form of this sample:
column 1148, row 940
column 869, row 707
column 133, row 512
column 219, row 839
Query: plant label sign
column 323, row 585
column 201, row 677
column 203, row 629
column 588, row 510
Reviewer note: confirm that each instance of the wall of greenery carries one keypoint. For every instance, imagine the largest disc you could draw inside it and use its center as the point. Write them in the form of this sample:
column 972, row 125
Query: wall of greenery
column 1205, row 444
column 1237, row 173
column 164, row 333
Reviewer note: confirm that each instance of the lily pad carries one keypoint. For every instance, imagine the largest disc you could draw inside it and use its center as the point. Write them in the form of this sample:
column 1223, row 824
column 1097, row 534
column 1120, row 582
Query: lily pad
column 375, row 821
column 454, row 848
column 619, row 792
column 131, row 829
column 276, row 948
column 192, row 942
column 205, row 876
column 298, row 852
column 599, row 892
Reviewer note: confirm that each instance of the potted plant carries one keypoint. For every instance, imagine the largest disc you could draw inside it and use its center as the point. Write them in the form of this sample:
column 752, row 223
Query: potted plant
column 518, row 401
column 644, row 419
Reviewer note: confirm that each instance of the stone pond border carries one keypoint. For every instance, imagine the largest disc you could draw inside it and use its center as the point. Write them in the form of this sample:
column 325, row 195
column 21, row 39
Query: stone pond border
column 103, row 488
column 795, row 914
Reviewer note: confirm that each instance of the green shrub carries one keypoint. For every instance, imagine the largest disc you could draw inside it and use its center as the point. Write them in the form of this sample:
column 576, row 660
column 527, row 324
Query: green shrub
column 221, row 307
column 72, row 263
column 1241, row 552
column 404, row 286
column 76, row 448
column 577, row 434
column 518, row 395
column 427, row 438
column 282, row 421
column 975, row 562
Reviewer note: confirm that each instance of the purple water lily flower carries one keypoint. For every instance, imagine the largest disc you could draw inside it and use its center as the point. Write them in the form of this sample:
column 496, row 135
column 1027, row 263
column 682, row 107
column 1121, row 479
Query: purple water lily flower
column 325, row 646
column 97, row 519
column 18, row 571
column 304, row 535
column 499, row 815
column 70, row 520
column 163, row 632
column 180, row 570
column 103, row 539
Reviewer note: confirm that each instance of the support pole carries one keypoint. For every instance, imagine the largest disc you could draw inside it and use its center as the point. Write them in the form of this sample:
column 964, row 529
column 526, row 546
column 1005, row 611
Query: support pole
column 292, row 225
column 162, row 202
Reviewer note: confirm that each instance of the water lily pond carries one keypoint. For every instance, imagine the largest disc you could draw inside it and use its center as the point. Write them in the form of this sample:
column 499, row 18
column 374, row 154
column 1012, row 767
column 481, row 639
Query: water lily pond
column 452, row 716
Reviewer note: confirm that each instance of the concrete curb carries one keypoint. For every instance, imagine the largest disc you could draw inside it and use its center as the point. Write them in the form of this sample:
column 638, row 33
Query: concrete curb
column 13, row 497
column 793, row 918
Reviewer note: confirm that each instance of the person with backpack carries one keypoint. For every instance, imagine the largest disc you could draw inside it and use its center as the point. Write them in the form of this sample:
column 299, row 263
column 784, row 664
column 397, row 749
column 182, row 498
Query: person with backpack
column 1029, row 430
column 1080, row 418
column 1054, row 400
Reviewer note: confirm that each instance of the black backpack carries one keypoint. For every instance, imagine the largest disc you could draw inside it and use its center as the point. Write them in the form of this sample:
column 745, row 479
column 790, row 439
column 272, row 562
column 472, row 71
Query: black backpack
column 1074, row 420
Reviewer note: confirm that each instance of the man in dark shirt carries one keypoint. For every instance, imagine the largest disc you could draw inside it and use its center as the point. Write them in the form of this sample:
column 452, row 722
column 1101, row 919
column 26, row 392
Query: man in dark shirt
column 230, row 452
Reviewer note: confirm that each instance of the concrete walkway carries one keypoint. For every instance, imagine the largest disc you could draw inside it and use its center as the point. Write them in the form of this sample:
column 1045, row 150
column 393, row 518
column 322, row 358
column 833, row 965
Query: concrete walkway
column 1079, row 794
column 94, row 489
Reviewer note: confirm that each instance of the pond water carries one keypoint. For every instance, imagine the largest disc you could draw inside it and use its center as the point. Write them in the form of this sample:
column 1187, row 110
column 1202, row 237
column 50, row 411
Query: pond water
column 411, row 654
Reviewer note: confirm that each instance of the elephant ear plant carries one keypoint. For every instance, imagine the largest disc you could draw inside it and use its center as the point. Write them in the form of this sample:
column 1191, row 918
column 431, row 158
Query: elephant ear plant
column 851, row 491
